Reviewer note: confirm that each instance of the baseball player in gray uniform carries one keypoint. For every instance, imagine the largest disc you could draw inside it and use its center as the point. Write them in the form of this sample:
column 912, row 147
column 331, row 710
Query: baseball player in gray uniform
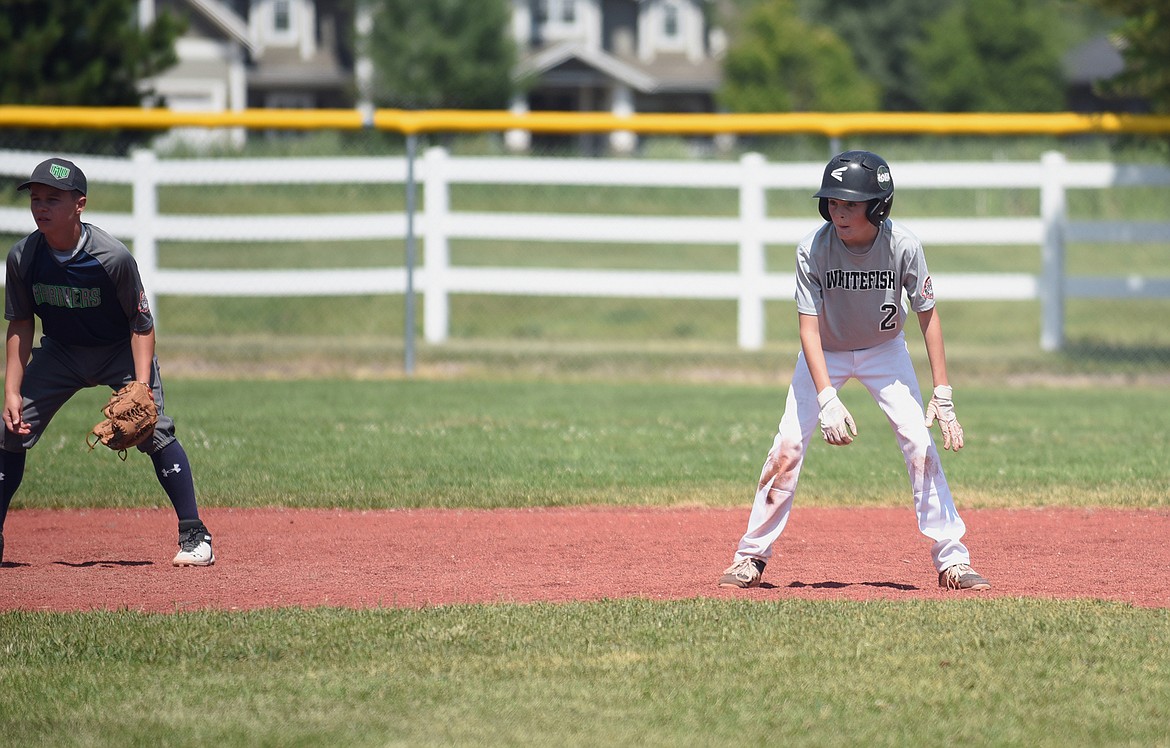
column 851, row 274
column 96, row 329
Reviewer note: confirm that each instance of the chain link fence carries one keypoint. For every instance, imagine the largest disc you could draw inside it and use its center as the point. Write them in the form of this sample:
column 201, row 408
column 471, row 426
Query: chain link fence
column 345, row 242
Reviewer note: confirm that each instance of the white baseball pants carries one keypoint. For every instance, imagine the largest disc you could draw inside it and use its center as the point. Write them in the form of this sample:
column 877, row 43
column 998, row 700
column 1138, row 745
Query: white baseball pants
column 888, row 373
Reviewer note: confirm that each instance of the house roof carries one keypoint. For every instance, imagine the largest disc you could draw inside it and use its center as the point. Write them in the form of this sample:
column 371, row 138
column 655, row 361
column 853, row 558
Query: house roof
column 548, row 59
column 675, row 73
column 284, row 68
column 571, row 62
column 226, row 19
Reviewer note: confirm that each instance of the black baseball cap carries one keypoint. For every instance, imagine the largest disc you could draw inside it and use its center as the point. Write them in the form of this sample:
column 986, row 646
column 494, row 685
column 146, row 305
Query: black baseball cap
column 59, row 173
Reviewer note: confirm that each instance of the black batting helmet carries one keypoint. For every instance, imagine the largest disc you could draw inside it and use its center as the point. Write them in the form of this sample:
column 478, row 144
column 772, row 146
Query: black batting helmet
column 859, row 177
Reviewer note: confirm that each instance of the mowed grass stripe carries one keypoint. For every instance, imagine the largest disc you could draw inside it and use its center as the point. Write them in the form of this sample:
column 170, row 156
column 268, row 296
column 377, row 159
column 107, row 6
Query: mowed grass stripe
column 697, row 672
column 486, row 444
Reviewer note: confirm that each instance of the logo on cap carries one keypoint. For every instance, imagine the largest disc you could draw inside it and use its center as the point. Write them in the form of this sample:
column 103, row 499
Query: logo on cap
column 58, row 171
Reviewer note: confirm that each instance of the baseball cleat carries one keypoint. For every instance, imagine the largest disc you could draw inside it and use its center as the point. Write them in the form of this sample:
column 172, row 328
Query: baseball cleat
column 744, row 573
column 962, row 577
column 194, row 548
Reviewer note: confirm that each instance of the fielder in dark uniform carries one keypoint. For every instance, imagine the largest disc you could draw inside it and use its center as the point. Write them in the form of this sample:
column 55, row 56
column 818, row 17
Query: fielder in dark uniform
column 97, row 330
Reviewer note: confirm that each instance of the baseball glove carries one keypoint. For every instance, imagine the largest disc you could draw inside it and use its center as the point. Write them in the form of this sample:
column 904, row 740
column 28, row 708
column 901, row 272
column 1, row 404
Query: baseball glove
column 131, row 416
column 942, row 408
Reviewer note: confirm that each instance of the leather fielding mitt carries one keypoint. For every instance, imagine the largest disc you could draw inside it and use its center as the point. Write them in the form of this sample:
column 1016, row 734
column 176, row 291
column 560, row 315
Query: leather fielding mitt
column 131, row 415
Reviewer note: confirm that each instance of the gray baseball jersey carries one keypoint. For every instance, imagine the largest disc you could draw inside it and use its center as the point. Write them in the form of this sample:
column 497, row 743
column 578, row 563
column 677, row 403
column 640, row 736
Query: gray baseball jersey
column 858, row 297
column 93, row 298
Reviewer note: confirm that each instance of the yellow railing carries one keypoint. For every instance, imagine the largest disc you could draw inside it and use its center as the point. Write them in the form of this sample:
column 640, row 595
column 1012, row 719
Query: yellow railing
column 411, row 122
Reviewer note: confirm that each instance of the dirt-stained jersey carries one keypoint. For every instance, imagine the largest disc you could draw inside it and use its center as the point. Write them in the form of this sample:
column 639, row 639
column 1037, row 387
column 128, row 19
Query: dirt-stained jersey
column 93, row 298
column 859, row 297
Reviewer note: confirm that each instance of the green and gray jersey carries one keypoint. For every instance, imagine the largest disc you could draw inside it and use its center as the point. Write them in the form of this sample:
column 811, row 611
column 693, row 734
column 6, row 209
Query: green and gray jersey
column 858, row 297
column 92, row 296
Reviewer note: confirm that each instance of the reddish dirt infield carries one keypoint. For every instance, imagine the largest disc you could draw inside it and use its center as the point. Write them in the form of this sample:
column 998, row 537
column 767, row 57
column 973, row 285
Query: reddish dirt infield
column 120, row 559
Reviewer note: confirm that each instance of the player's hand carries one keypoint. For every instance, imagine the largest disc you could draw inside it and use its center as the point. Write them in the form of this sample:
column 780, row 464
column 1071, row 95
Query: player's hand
column 942, row 408
column 13, row 415
column 836, row 423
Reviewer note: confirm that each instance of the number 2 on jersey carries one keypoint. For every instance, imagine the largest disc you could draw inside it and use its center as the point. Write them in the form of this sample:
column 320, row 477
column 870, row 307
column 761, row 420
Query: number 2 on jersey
column 889, row 322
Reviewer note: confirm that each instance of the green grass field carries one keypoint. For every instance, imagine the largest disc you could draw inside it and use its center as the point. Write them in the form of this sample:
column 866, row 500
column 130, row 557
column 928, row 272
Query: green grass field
column 398, row 444
column 629, row 672
column 620, row 672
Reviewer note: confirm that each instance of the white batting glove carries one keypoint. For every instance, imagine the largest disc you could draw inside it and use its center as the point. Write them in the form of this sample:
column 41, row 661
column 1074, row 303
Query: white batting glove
column 835, row 418
column 942, row 407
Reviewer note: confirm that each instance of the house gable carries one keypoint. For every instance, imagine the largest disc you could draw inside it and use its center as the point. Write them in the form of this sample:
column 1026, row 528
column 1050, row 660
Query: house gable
column 255, row 53
column 616, row 55
column 637, row 29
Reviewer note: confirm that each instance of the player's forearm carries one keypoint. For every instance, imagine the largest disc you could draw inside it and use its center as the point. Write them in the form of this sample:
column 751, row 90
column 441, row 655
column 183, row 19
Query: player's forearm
column 936, row 354
column 814, row 353
column 142, row 348
column 18, row 349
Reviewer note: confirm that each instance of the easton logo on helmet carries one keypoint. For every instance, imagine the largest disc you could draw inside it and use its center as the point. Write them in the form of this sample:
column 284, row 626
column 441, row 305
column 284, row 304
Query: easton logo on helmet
column 839, row 173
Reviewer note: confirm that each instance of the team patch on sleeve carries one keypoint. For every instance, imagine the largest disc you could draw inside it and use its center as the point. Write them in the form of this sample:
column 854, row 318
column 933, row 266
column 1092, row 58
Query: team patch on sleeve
column 927, row 289
column 144, row 305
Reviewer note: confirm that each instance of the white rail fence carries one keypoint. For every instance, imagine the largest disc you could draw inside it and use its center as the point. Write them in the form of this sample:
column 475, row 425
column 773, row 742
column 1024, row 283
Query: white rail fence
column 751, row 284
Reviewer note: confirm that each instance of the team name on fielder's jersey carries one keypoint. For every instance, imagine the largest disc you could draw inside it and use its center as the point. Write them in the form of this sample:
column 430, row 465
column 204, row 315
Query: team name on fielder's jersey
column 67, row 296
column 860, row 280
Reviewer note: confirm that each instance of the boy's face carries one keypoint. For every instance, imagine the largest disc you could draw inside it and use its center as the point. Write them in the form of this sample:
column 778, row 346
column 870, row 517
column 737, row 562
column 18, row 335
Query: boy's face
column 854, row 229
column 55, row 210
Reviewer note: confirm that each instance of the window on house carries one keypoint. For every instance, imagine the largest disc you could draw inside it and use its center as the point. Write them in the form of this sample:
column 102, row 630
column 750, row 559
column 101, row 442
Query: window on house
column 670, row 21
column 282, row 15
column 555, row 12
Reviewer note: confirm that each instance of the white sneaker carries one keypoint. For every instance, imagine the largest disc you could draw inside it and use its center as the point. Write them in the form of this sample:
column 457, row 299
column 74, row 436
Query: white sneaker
column 962, row 577
column 194, row 548
column 744, row 573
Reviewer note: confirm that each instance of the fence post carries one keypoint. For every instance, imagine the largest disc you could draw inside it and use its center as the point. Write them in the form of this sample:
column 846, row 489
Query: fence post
column 1053, row 214
column 145, row 212
column 752, row 213
column 436, row 261
column 411, row 245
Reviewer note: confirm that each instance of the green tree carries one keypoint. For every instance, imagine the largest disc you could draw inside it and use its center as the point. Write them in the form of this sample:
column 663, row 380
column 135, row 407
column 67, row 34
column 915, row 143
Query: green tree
column 992, row 56
column 779, row 63
column 78, row 53
column 441, row 54
column 881, row 34
column 1145, row 32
